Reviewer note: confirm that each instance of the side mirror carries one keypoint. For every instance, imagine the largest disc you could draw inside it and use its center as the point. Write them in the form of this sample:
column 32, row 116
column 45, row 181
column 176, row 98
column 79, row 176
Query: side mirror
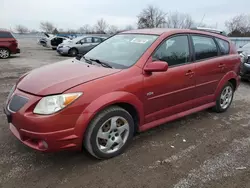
column 156, row 66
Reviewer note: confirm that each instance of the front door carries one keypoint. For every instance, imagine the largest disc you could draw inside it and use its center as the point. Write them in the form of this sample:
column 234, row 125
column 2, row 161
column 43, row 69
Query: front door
column 86, row 45
column 170, row 92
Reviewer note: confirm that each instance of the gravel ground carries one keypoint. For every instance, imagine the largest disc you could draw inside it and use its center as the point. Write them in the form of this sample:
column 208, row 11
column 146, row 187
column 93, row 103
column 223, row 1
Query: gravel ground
column 202, row 150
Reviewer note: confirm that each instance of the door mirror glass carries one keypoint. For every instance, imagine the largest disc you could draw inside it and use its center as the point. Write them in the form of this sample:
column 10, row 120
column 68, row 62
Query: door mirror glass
column 156, row 66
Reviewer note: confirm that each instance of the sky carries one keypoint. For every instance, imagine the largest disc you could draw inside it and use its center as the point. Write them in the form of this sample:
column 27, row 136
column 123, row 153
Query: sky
column 72, row 14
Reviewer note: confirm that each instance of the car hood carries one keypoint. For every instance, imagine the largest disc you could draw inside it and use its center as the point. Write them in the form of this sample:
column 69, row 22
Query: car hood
column 59, row 77
column 246, row 50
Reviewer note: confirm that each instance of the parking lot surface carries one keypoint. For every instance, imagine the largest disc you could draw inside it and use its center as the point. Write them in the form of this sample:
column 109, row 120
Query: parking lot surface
column 205, row 149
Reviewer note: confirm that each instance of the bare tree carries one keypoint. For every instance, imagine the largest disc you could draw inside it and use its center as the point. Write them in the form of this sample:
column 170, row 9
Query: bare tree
column 21, row 29
column 112, row 29
column 239, row 25
column 47, row 27
column 61, row 30
column 34, row 31
column 70, row 31
column 85, row 29
column 151, row 17
column 179, row 20
column 101, row 26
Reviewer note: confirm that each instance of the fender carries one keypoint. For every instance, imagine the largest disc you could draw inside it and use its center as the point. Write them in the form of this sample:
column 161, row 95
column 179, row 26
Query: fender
column 230, row 75
column 104, row 101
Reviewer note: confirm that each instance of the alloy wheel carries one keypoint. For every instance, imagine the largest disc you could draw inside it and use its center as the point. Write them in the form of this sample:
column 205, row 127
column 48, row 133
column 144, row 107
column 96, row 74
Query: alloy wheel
column 226, row 97
column 4, row 53
column 112, row 135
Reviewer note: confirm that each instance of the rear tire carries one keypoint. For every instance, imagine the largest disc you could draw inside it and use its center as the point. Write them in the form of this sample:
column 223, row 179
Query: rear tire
column 109, row 133
column 73, row 52
column 4, row 53
column 53, row 48
column 224, row 100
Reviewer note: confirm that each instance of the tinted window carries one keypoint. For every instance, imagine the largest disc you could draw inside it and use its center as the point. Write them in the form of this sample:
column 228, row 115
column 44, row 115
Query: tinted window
column 5, row 35
column 204, row 47
column 224, row 46
column 174, row 51
column 122, row 50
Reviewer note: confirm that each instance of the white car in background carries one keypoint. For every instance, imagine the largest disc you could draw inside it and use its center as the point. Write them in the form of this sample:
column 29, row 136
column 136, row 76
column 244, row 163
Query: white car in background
column 52, row 41
column 79, row 45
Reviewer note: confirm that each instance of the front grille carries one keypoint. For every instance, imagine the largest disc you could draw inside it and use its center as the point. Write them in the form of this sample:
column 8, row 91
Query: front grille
column 17, row 102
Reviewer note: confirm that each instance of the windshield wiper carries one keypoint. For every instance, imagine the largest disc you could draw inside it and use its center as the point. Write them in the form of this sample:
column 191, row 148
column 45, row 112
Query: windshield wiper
column 102, row 63
column 87, row 60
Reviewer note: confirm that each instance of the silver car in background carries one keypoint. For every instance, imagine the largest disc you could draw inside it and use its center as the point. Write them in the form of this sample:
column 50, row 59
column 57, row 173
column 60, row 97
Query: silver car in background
column 79, row 45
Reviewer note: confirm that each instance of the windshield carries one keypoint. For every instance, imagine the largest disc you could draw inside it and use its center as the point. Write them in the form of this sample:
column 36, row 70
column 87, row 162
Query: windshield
column 122, row 50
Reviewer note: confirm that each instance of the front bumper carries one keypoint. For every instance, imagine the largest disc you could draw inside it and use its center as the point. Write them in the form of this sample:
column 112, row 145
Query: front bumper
column 245, row 71
column 62, row 51
column 16, row 51
column 43, row 133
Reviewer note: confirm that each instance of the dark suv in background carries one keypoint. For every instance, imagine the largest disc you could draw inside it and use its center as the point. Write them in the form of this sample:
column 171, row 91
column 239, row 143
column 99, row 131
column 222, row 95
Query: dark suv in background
column 8, row 44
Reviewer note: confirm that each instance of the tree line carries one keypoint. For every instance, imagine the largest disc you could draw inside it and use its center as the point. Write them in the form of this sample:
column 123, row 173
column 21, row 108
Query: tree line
column 149, row 17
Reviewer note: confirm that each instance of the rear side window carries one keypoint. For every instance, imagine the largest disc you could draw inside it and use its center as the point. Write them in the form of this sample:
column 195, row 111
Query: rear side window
column 97, row 40
column 174, row 51
column 224, row 46
column 204, row 47
column 5, row 35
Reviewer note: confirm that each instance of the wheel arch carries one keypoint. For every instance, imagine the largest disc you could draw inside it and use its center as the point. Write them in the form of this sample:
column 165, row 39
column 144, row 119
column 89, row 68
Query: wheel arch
column 73, row 48
column 231, row 77
column 125, row 100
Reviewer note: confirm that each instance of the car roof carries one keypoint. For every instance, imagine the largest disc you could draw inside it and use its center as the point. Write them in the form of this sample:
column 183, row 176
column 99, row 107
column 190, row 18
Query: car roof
column 4, row 31
column 161, row 31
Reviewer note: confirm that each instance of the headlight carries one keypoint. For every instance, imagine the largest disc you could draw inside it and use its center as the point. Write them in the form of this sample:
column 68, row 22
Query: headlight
column 52, row 104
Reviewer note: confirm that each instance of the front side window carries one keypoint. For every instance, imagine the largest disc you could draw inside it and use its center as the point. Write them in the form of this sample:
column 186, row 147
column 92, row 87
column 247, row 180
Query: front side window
column 86, row 40
column 122, row 50
column 174, row 51
column 224, row 46
column 204, row 47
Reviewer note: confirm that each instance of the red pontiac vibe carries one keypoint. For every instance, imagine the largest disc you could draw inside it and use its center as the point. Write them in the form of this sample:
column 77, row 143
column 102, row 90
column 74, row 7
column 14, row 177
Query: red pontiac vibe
column 131, row 82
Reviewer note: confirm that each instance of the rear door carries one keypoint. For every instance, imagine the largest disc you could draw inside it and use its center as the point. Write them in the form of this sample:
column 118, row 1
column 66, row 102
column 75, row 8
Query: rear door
column 209, row 66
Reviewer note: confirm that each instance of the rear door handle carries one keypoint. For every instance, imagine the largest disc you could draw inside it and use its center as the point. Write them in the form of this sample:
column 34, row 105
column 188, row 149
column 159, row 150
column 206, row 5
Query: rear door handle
column 189, row 73
column 221, row 65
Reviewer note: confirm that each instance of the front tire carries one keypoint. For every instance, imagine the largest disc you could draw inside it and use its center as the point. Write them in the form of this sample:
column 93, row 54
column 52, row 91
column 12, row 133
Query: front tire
column 4, row 53
column 109, row 133
column 73, row 52
column 225, row 98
